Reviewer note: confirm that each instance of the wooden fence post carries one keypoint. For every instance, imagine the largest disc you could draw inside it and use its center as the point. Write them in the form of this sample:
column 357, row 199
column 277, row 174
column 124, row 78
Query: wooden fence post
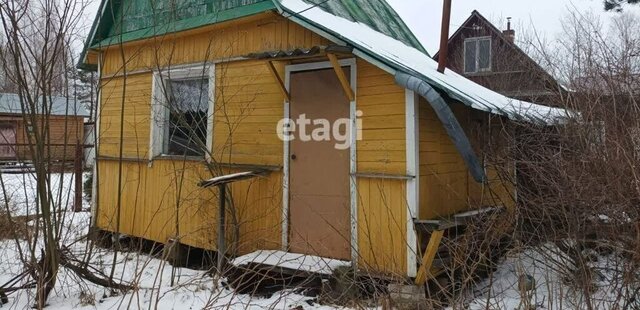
column 78, row 161
column 222, row 249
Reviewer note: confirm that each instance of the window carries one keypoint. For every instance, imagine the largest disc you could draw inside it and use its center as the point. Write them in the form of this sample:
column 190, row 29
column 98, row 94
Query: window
column 181, row 112
column 477, row 54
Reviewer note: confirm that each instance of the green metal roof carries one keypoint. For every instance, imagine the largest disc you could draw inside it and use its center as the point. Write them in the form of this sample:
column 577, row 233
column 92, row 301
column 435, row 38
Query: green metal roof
column 124, row 21
column 377, row 14
column 140, row 19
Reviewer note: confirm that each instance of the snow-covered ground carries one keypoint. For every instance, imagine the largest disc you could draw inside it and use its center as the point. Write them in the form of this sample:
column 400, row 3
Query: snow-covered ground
column 191, row 289
column 553, row 284
column 20, row 191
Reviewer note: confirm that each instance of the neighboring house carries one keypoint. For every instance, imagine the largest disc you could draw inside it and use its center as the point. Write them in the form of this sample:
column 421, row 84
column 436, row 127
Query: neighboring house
column 64, row 125
column 204, row 92
column 482, row 53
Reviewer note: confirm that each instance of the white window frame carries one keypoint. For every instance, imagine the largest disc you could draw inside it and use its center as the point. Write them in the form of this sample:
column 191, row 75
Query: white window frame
column 477, row 56
column 159, row 105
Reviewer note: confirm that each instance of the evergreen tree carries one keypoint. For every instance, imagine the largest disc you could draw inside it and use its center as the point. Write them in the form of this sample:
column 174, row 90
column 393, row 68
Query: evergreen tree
column 83, row 88
column 616, row 5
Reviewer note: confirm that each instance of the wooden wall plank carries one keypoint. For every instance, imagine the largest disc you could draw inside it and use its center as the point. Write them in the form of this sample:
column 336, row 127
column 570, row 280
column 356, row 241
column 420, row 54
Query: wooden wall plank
column 383, row 145
column 445, row 184
column 151, row 204
column 382, row 240
column 227, row 40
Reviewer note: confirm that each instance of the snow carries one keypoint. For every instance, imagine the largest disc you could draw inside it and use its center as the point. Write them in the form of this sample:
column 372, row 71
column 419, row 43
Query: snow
column 192, row 289
column 20, row 192
column 551, row 290
column 227, row 178
column 195, row 289
column 309, row 263
column 475, row 212
column 414, row 62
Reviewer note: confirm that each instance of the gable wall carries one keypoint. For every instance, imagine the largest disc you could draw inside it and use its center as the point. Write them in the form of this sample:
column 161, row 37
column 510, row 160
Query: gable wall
column 512, row 72
column 263, row 32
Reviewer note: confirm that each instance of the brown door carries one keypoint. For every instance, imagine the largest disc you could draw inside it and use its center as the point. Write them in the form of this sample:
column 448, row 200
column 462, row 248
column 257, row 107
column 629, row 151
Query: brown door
column 7, row 141
column 319, row 204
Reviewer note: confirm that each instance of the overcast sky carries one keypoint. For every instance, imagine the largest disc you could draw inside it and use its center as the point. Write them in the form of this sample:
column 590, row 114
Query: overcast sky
column 424, row 16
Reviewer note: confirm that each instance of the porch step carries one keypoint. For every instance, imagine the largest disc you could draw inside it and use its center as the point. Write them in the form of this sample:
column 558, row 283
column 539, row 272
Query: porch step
column 440, row 235
column 266, row 272
column 455, row 221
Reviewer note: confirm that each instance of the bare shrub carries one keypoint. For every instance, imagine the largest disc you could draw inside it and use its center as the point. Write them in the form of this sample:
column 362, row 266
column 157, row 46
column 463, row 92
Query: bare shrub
column 577, row 182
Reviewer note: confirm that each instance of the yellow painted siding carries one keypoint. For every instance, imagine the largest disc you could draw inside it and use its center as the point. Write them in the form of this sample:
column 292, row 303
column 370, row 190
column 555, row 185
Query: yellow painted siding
column 382, row 102
column 265, row 32
column 382, row 207
column 443, row 173
column 248, row 106
column 137, row 115
column 151, row 203
column 382, row 218
column 445, row 184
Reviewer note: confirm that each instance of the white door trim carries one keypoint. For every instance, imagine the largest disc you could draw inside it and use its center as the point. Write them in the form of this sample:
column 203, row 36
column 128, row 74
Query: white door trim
column 352, row 165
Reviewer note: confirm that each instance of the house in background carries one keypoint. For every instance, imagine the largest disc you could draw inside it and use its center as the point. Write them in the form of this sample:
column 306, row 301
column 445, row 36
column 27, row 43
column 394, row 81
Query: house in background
column 481, row 52
column 203, row 95
column 64, row 122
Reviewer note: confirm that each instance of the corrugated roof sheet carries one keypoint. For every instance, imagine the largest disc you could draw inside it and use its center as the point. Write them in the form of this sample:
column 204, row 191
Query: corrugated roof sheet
column 286, row 53
column 405, row 58
column 10, row 104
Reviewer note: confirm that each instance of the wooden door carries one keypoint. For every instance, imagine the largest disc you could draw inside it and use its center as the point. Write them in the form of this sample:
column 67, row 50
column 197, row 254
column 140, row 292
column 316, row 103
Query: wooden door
column 7, row 141
column 319, row 205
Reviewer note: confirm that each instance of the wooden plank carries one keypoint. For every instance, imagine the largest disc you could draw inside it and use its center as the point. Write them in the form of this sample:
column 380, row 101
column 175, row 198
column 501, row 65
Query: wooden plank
column 152, row 196
column 429, row 255
column 383, row 176
column 342, row 77
column 381, row 242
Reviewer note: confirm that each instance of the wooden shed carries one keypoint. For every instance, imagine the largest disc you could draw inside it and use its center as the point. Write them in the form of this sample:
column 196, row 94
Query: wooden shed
column 240, row 75
column 63, row 118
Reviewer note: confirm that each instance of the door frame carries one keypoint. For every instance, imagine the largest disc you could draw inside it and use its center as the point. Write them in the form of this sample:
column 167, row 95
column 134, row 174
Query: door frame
column 351, row 63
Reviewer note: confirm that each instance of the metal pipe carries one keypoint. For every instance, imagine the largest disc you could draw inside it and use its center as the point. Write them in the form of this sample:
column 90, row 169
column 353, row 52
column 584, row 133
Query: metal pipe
column 449, row 121
column 444, row 36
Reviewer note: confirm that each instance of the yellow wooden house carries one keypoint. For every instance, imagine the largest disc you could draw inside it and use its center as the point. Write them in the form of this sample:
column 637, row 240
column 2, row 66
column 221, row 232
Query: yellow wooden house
column 194, row 89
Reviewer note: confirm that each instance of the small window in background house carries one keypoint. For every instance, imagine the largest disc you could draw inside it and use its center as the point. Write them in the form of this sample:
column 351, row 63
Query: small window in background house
column 186, row 132
column 484, row 54
column 470, row 56
column 477, row 55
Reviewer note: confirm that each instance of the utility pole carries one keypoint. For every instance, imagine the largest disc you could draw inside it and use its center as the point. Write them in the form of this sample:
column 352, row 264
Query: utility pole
column 444, row 36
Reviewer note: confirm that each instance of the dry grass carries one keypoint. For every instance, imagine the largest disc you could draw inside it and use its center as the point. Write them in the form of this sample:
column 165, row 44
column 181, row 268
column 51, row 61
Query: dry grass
column 14, row 227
